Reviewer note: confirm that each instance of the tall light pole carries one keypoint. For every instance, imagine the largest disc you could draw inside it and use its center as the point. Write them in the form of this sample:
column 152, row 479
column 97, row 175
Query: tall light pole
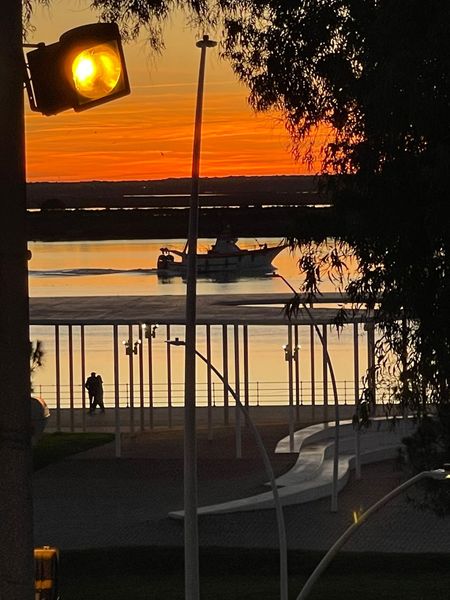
column 282, row 542
column 438, row 474
column 191, row 558
column 16, row 521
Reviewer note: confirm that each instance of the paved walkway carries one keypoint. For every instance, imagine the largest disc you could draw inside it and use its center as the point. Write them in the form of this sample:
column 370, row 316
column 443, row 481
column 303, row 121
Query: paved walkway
column 94, row 499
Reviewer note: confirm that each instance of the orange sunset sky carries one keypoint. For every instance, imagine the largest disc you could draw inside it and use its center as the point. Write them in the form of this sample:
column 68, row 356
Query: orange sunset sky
column 148, row 135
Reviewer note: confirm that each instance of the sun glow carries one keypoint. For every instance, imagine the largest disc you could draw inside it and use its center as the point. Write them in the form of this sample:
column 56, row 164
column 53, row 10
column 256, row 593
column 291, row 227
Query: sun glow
column 148, row 134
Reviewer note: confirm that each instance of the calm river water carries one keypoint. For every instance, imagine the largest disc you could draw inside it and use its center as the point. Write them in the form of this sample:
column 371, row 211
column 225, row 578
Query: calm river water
column 129, row 268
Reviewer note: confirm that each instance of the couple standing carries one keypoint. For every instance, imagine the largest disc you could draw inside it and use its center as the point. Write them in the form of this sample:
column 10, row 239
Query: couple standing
column 94, row 386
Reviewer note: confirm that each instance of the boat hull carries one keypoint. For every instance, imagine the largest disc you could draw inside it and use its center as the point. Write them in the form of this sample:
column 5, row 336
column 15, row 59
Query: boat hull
column 244, row 261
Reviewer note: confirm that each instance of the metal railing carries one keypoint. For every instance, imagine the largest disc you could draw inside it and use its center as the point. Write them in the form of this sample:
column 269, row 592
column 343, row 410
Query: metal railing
column 256, row 393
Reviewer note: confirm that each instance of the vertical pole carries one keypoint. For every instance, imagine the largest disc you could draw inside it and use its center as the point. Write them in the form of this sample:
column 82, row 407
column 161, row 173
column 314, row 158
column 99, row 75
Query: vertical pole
column 191, row 553
column 208, row 381
column 356, row 362
column 297, row 373
column 312, row 369
column 225, row 373
column 325, row 370
column 118, row 446
column 371, row 360
column 404, row 362
column 71, row 401
column 57, row 379
column 141, row 381
column 169, row 377
column 246, row 392
column 131, row 376
column 16, row 548
column 237, row 389
column 150, row 380
column 83, row 377
column 356, row 399
column 291, row 391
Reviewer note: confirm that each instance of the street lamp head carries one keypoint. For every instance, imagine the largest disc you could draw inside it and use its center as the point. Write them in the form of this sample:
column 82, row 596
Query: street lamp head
column 206, row 42
column 439, row 474
column 176, row 342
column 131, row 349
column 84, row 69
column 149, row 330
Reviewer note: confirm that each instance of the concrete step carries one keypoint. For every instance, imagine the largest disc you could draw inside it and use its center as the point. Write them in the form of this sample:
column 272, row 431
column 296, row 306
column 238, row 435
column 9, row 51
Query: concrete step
column 323, row 431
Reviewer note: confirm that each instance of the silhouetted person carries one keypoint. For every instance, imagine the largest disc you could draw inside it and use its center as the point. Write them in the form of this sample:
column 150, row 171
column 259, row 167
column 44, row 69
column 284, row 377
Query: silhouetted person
column 90, row 385
column 94, row 386
column 98, row 395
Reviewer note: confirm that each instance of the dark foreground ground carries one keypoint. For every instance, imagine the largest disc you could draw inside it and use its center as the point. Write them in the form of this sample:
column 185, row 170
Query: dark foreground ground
column 109, row 518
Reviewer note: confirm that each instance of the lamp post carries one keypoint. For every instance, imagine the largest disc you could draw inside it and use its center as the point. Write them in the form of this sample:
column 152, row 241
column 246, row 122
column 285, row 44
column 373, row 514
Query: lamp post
column 269, row 471
column 290, row 354
column 439, row 474
column 334, row 490
column 191, row 559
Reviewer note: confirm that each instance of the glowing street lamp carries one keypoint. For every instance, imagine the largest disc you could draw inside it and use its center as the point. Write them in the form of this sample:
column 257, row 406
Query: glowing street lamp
column 149, row 330
column 290, row 355
column 131, row 349
column 84, row 69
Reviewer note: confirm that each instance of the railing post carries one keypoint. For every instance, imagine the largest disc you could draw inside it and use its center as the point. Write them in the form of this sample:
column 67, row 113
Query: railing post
column 237, row 413
column 325, row 370
column 169, row 377
column 141, row 381
column 225, row 373
column 83, row 377
column 57, row 379
column 288, row 357
column 297, row 372
column 150, row 380
column 131, row 375
column 208, row 381
column 117, row 436
column 72, row 415
column 245, row 341
column 312, row 369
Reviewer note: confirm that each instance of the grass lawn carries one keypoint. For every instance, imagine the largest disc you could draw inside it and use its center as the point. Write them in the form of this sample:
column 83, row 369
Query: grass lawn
column 56, row 446
column 231, row 574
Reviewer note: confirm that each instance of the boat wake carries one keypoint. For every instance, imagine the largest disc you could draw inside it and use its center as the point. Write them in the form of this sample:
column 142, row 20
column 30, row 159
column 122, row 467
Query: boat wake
column 90, row 272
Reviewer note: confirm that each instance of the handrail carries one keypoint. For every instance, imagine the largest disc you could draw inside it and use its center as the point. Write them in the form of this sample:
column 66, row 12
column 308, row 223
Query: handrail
column 261, row 393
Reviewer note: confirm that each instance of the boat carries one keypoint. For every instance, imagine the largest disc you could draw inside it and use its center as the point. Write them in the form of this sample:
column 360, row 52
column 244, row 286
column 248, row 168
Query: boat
column 224, row 256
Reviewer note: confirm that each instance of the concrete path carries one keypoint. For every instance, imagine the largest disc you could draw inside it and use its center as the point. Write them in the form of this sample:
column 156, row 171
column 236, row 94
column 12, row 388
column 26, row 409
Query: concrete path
column 312, row 475
column 95, row 500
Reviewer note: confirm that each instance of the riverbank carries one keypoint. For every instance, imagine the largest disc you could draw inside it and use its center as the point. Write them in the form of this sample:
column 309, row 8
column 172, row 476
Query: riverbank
column 172, row 223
